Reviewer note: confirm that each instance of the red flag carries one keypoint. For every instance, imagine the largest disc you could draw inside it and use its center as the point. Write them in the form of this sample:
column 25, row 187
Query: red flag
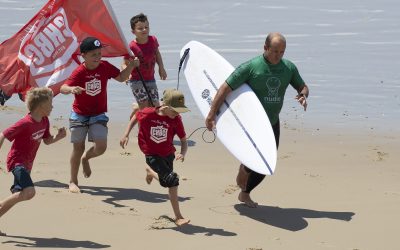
column 44, row 52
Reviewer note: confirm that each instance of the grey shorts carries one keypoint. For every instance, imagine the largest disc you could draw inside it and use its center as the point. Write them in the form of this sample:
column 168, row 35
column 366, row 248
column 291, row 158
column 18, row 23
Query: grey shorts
column 95, row 132
column 93, row 126
column 139, row 92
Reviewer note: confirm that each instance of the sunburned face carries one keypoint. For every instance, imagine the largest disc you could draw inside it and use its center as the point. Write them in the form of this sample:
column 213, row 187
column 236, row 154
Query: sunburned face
column 275, row 51
column 141, row 31
column 92, row 58
column 46, row 107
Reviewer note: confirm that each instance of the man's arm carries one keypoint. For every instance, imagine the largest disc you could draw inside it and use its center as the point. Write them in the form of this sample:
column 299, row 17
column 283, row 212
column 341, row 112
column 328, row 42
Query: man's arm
column 219, row 98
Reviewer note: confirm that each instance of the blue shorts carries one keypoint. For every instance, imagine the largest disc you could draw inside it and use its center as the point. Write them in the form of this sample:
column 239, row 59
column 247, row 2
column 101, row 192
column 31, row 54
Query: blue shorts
column 22, row 179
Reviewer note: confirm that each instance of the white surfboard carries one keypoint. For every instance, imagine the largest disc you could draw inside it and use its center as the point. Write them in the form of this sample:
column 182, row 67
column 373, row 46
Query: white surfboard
column 241, row 124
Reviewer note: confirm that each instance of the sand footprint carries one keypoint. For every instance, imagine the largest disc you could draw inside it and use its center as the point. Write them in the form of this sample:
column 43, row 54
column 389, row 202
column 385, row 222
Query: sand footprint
column 162, row 222
column 231, row 189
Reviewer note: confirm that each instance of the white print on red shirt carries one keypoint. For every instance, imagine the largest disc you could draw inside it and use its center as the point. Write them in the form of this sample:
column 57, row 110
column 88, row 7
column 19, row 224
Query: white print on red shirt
column 158, row 134
column 93, row 87
column 37, row 136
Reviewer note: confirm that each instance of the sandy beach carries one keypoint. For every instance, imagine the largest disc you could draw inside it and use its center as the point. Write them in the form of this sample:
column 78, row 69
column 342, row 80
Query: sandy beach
column 331, row 190
column 336, row 184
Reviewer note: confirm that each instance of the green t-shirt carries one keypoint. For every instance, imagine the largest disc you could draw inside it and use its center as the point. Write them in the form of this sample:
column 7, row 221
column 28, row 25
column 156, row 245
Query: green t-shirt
column 269, row 82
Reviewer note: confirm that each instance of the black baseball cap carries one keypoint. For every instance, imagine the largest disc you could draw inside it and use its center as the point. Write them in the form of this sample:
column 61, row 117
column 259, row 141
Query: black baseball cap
column 90, row 43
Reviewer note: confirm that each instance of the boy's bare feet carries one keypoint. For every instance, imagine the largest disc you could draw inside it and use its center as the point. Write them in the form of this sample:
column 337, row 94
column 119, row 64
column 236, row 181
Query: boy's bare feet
column 86, row 167
column 149, row 176
column 181, row 221
column 241, row 179
column 245, row 198
column 73, row 188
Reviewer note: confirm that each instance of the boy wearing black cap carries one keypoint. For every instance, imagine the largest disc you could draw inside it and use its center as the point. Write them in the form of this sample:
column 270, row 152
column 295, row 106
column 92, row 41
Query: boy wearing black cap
column 157, row 128
column 88, row 82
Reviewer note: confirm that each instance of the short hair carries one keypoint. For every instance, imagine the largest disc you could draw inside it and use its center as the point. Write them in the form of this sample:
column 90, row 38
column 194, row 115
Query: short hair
column 271, row 36
column 138, row 18
column 37, row 96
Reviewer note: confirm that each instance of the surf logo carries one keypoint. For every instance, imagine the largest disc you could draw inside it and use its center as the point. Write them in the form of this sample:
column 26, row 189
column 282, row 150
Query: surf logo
column 273, row 84
column 47, row 49
column 158, row 134
column 206, row 96
column 93, row 87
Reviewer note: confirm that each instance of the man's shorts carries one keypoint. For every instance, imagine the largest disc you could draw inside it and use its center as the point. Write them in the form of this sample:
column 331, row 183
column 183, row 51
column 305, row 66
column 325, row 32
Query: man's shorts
column 22, row 179
column 93, row 126
column 139, row 92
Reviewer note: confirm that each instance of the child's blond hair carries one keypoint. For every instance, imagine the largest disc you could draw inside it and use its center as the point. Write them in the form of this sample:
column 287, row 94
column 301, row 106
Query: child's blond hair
column 36, row 96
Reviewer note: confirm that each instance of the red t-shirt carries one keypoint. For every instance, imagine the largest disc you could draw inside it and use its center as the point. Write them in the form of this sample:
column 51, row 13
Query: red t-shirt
column 147, row 56
column 156, row 132
column 93, row 101
column 26, row 135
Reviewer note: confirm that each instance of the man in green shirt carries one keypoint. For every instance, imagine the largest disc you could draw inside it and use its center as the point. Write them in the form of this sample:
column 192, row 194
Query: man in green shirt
column 268, row 75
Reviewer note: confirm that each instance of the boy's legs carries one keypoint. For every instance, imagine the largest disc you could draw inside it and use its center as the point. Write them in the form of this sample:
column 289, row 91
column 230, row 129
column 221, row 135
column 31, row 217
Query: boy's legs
column 78, row 137
column 150, row 175
column 98, row 135
column 22, row 189
column 75, row 161
column 173, row 197
column 163, row 168
column 24, row 195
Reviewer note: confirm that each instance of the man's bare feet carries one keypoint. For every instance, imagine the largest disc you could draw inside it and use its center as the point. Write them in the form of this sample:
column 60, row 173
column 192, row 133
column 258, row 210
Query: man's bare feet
column 86, row 167
column 181, row 221
column 241, row 179
column 73, row 188
column 149, row 176
column 245, row 198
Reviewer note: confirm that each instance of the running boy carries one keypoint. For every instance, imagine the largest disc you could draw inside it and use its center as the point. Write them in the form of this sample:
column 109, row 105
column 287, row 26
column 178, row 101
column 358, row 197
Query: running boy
column 145, row 47
column 88, row 83
column 26, row 135
column 157, row 128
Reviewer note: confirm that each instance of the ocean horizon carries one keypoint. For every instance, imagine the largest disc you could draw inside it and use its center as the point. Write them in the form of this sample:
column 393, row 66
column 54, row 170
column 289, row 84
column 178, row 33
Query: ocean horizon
column 346, row 52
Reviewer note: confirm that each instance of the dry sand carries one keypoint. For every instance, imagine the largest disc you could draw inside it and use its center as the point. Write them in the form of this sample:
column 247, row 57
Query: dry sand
column 331, row 190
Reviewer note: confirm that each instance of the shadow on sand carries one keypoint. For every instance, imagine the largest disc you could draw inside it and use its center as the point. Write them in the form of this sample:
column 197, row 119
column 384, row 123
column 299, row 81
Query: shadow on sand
column 191, row 229
column 112, row 194
column 51, row 243
column 291, row 219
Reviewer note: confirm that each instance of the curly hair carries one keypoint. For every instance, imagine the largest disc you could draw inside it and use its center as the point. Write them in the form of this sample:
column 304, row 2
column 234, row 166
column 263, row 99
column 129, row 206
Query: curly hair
column 37, row 96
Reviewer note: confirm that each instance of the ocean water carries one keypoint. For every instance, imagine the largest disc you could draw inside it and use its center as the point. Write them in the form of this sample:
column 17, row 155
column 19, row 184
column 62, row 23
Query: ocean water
column 346, row 51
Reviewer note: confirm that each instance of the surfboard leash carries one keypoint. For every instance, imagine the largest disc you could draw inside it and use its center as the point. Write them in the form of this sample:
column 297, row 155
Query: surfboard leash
column 202, row 134
column 181, row 63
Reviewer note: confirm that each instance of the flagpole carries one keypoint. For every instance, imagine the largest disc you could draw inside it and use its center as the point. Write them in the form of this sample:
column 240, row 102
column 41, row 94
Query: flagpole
column 111, row 11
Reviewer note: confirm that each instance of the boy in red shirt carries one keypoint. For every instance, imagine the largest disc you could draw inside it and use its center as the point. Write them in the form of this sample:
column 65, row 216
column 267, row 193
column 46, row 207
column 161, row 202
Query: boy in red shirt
column 157, row 128
column 26, row 135
column 145, row 47
column 88, row 83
